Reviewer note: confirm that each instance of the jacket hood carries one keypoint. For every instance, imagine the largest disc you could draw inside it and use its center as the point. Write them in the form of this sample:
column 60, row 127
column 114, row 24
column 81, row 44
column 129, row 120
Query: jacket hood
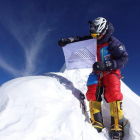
column 107, row 35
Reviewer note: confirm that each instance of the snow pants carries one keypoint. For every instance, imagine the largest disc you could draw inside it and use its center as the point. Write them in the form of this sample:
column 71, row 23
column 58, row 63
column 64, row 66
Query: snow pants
column 109, row 85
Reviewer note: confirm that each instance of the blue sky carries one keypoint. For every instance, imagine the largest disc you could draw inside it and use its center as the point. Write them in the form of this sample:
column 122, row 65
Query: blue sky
column 30, row 30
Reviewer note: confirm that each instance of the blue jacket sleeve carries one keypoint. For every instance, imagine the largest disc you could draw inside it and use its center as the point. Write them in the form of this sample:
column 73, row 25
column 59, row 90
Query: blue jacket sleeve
column 118, row 52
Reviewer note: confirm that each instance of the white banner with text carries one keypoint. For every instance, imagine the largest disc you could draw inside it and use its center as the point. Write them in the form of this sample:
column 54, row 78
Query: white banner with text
column 80, row 54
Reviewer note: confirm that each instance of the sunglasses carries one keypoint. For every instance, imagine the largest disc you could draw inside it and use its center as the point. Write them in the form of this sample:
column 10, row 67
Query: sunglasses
column 95, row 35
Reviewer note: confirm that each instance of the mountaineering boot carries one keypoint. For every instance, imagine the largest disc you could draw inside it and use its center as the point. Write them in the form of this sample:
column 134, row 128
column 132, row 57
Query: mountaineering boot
column 116, row 112
column 96, row 115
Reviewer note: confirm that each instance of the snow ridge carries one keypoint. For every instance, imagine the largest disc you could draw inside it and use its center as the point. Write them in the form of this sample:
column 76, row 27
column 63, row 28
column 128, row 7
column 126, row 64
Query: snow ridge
column 49, row 108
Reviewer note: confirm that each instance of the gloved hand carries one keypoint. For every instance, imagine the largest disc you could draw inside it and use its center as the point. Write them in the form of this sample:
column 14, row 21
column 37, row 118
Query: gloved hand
column 65, row 41
column 99, row 66
column 109, row 65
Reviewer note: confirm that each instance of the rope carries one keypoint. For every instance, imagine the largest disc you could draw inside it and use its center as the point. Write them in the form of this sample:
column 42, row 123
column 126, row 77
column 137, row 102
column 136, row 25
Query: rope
column 126, row 123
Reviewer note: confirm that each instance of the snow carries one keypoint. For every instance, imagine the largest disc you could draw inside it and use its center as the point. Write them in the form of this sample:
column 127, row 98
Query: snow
column 49, row 108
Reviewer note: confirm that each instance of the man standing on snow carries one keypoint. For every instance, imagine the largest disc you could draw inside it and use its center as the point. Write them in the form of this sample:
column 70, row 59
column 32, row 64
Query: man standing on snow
column 111, row 56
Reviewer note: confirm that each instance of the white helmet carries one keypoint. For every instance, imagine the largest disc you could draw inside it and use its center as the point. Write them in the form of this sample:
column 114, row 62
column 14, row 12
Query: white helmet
column 98, row 25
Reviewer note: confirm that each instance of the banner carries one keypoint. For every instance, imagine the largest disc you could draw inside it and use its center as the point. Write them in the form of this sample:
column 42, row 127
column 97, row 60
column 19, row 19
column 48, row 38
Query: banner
column 80, row 54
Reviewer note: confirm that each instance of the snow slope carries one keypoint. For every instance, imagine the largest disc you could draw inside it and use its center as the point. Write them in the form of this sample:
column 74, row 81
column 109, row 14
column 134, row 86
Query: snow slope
column 49, row 108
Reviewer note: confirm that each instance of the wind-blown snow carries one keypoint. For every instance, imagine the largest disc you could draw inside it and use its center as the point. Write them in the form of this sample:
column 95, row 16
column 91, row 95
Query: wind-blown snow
column 49, row 108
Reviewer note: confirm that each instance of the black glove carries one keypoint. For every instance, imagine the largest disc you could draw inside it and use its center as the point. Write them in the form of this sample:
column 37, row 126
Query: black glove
column 99, row 66
column 65, row 41
column 109, row 65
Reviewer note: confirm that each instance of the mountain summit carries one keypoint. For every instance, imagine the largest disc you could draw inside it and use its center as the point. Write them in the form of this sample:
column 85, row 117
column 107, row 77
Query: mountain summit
column 49, row 108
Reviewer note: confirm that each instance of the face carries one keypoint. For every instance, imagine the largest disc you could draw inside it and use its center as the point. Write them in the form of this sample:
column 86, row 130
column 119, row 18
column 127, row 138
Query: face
column 96, row 36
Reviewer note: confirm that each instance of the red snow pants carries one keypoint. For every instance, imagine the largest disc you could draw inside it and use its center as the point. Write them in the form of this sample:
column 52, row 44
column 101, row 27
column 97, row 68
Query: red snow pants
column 110, row 82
